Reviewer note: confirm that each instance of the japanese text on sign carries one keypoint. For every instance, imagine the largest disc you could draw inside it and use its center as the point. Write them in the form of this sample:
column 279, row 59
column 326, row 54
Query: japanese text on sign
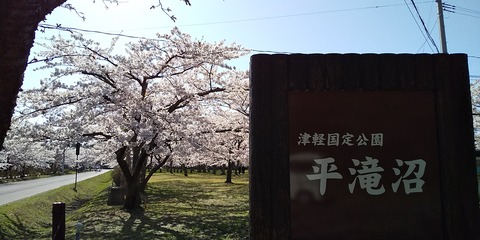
column 367, row 175
column 337, row 139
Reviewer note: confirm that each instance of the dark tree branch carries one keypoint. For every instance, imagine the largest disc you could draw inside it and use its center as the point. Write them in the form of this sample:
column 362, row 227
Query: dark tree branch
column 70, row 101
column 102, row 78
column 159, row 75
column 178, row 104
column 142, row 158
column 228, row 130
column 49, row 59
column 120, row 155
column 131, row 76
column 162, row 69
column 168, row 10
column 100, row 55
column 155, row 169
column 72, row 8
column 95, row 134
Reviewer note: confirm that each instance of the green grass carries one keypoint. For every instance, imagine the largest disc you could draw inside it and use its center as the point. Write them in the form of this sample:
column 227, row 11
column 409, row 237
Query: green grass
column 200, row 206
column 31, row 218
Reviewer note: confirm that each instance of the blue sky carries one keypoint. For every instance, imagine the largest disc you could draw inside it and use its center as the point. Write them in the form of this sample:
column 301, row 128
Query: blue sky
column 301, row 26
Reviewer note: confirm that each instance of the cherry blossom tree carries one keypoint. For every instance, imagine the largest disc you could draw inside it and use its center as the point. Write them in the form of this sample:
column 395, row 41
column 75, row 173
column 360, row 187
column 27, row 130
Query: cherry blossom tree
column 23, row 159
column 19, row 20
column 475, row 91
column 42, row 148
column 21, row 151
column 227, row 144
column 148, row 102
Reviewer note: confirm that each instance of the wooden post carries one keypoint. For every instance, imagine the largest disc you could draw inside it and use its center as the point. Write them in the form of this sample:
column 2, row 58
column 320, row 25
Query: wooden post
column 58, row 221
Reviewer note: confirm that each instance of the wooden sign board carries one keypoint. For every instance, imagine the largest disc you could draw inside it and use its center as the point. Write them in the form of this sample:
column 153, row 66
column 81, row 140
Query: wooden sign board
column 373, row 146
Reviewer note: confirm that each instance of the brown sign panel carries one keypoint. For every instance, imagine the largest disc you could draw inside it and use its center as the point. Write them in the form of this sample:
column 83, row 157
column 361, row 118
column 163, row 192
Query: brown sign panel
column 364, row 165
column 362, row 146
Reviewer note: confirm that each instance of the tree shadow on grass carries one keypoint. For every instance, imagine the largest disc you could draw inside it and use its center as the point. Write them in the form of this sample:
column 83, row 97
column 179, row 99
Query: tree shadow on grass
column 16, row 229
column 124, row 225
column 170, row 214
column 12, row 226
column 140, row 226
column 167, row 226
column 77, row 203
column 201, row 213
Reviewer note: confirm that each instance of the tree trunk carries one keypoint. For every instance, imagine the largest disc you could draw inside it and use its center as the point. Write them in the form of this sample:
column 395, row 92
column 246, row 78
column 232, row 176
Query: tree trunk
column 135, row 175
column 229, row 172
column 18, row 22
column 133, row 199
column 185, row 170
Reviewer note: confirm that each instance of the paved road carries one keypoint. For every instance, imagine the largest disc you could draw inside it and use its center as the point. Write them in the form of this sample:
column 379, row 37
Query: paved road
column 14, row 191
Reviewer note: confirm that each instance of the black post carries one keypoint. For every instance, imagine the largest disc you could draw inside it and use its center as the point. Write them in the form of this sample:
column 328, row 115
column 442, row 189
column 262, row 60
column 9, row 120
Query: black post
column 58, row 221
column 77, row 152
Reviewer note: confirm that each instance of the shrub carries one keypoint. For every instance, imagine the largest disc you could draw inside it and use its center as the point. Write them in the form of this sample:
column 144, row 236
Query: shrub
column 117, row 177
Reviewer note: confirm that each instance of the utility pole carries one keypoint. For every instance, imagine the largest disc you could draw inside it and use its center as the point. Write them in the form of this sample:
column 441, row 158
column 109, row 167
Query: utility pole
column 442, row 26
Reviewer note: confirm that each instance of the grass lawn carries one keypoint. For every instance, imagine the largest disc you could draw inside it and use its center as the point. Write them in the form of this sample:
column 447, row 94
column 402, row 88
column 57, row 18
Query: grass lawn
column 200, row 206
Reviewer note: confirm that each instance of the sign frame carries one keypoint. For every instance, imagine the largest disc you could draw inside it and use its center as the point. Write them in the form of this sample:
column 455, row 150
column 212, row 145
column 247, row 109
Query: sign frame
column 272, row 77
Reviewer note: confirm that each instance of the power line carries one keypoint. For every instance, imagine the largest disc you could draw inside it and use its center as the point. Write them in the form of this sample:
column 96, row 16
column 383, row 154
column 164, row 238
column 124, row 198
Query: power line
column 426, row 41
column 418, row 25
column 467, row 10
column 72, row 29
column 424, row 26
column 468, row 15
column 454, row 8
column 461, row 10
column 296, row 15
column 278, row 17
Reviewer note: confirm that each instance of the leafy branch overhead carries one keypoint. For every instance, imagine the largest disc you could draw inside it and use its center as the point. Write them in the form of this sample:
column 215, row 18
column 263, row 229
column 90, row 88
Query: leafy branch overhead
column 167, row 10
column 20, row 20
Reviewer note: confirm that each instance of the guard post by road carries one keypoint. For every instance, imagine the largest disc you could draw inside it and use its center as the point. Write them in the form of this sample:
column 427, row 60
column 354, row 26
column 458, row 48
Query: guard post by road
column 58, row 221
